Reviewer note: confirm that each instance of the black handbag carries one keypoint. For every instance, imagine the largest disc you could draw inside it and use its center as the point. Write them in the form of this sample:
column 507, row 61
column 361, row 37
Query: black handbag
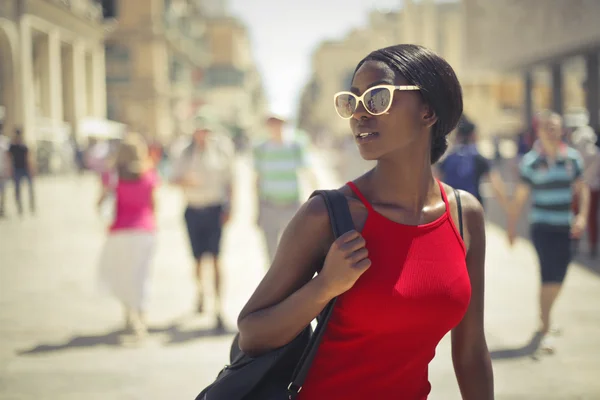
column 280, row 373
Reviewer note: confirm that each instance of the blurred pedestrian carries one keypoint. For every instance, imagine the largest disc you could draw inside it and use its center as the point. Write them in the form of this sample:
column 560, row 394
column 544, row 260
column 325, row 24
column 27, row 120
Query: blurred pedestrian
column 23, row 168
column 277, row 162
column 583, row 139
column 204, row 170
column 464, row 167
column 5, row 168
column 405, row 276
column 551, row 173
column 129, row 247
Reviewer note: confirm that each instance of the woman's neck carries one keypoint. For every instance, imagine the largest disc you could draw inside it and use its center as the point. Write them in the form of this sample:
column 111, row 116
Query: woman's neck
column 404, row 178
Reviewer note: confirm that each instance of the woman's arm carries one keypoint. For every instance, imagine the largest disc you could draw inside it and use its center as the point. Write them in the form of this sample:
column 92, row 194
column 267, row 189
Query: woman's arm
column 289, row 298
column 105, row 192
column 581, row 219
column 514, row 210
column 470, row 354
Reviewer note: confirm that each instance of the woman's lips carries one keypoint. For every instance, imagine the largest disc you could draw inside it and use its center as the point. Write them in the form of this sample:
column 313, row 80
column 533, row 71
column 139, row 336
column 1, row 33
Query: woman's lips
column 365, row 137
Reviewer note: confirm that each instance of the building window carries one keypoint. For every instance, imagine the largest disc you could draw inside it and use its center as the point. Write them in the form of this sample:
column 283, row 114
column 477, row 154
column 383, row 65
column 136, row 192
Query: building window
column 118, row 63
column 314, row 90
column 224, row 76
column 176, row 70
column 109, row 8
column 112, row 109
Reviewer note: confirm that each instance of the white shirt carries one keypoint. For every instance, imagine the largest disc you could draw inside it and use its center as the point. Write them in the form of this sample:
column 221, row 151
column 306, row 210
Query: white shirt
column 584, row 139
column 210, row 170
column 4, row 157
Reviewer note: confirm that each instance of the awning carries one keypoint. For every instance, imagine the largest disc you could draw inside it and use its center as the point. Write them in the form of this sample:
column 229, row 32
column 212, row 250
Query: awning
column 101, row 128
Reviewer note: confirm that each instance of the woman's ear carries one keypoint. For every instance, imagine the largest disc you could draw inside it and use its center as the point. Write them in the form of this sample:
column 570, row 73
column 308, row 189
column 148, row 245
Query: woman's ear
column 428, row 116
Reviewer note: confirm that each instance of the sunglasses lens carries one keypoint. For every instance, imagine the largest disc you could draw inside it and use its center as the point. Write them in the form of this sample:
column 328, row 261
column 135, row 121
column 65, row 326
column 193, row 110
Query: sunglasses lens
column 345, row 105
column 377, row 100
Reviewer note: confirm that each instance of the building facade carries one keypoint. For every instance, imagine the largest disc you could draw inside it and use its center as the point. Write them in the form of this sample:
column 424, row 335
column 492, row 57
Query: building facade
column 231, row 85
column 52, row 68
column 492, row 97
column 555, row 43
column 214, row 8
column 152, row 52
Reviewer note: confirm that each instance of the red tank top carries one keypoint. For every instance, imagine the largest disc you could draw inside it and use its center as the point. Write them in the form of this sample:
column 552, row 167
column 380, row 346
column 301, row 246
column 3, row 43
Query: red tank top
column 384, row 331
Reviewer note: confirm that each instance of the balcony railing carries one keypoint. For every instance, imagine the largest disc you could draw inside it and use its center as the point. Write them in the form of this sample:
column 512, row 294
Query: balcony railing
column 89, row 9
column 224, row 76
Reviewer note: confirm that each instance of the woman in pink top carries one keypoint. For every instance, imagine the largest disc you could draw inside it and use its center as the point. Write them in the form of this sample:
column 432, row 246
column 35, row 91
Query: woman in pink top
column 125, row 260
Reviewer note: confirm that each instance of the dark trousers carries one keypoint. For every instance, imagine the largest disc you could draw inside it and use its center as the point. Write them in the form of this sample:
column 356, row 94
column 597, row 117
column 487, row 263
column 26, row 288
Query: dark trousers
column 554, row 250
column 204, row 226
column 20, row 175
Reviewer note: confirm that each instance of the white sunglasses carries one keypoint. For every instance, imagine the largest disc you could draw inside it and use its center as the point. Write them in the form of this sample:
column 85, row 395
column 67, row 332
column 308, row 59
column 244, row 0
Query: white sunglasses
column 376, row 100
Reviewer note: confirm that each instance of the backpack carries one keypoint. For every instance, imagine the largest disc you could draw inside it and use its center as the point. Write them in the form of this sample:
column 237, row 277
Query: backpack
column 460, row 169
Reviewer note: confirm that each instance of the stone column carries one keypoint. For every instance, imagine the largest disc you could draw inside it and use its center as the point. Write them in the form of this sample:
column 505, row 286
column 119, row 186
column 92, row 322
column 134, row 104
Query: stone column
column 28, row 100
column 77, row 86
column 99, row 77
column 41, row 73
column 557, row 88
column 55, row 95
column 592, row 88
column 528, row 98
column 9, row 85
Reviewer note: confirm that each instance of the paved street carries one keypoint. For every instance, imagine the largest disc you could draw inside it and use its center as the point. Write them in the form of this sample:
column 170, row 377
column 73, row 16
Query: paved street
column 59, row 338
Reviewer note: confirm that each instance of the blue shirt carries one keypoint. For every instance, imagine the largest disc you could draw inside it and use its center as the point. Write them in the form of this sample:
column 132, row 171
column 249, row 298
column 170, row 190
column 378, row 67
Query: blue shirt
column 551, row 185
column 463, row 169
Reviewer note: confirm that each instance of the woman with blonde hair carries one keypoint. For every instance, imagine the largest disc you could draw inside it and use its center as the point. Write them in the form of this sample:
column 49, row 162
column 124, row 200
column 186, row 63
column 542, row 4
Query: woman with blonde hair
column 125, row 260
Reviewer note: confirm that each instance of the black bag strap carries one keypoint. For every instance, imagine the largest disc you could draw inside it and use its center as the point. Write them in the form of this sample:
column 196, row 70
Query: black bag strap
column 341, row 222
column 459, row 209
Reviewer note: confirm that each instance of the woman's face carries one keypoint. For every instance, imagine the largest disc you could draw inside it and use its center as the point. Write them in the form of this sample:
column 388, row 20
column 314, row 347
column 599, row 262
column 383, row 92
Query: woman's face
column 404, row 124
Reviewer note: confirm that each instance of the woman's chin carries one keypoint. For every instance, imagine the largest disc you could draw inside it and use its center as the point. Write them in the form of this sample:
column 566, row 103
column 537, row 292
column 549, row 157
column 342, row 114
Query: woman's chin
column 368, row 155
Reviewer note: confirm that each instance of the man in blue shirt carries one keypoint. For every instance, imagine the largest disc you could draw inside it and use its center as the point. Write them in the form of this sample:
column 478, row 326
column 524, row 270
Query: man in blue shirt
column 464, row 167
column 551, row 173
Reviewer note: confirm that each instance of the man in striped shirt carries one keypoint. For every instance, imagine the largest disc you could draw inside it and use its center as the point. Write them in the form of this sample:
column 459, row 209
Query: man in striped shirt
column 552, row 174
column 277, row 163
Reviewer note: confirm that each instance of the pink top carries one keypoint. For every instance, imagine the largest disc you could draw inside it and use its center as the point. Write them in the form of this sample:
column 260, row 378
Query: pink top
column 134, row 205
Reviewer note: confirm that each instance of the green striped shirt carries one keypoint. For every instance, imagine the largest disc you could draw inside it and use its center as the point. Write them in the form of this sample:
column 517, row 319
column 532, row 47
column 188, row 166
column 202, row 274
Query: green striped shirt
column 277, row 168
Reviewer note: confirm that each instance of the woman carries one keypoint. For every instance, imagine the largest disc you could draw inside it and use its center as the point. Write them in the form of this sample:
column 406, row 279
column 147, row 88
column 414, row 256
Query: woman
column 125, row 260
column 404, row 278
column 552, row 174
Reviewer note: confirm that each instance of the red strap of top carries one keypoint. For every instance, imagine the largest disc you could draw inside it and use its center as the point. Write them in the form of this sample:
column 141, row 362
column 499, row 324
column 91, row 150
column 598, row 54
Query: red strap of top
column 444, row 196
column 360, row 195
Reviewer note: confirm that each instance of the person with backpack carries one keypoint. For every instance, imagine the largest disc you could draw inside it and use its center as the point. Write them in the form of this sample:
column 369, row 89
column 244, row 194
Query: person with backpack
column 465, row 167
column 413, row 268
